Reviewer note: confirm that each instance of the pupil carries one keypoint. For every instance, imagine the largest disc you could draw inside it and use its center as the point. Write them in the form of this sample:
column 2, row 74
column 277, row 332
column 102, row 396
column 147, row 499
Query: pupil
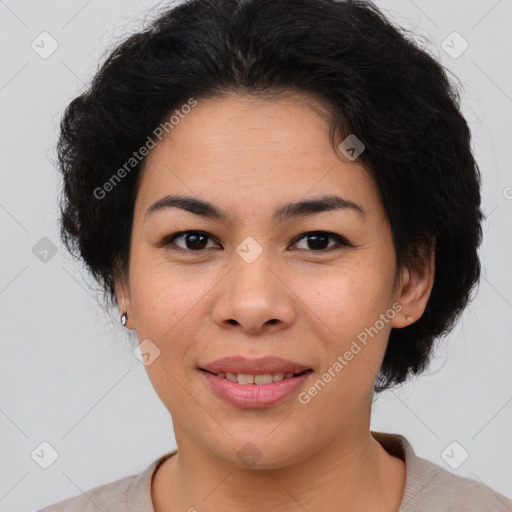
column 313, row 240
column 195, row 240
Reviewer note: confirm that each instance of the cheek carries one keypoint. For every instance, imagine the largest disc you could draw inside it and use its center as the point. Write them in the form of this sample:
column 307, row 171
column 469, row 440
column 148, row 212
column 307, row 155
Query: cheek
column 166, row 299
column 346, row 298
column 168, row 303
column 346, row 308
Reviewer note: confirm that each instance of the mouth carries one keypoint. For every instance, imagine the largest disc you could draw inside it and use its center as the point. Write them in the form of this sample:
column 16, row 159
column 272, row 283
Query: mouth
column 239, row 366
column 245, row 393
column 256, row 378
column 254, row 383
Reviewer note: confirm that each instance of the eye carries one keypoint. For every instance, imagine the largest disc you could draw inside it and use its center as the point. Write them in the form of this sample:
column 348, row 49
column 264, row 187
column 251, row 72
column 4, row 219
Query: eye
column 196, row 241
column 319, row 241
column 190, row 240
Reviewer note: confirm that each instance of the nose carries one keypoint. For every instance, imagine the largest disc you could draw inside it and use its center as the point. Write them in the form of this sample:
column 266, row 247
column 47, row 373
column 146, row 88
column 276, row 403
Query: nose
column 253, row 297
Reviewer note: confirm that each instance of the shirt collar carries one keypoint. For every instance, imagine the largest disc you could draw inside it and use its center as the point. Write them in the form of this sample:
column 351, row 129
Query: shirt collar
column 418, row 472
column 138, row 494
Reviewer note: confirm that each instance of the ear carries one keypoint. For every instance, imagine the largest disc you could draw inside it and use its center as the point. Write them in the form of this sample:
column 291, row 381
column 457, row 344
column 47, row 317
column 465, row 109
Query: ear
column 415, row 285
column 122, row 290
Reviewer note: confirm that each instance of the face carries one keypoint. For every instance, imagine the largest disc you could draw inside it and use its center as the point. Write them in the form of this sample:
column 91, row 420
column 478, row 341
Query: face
column 308, row 285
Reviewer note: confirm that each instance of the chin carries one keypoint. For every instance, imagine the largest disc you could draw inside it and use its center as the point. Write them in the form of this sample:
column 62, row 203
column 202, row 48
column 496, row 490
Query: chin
column 252, row 452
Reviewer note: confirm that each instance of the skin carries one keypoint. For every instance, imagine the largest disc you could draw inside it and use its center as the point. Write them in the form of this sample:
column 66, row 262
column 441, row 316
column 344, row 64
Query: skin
column 249, row 156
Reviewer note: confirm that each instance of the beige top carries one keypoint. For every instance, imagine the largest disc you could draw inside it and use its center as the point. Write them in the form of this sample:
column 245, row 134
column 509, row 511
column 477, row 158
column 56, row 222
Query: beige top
column 428, row 488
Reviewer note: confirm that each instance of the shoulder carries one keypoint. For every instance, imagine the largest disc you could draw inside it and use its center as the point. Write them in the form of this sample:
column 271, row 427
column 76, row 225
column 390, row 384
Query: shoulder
column 129, row 494
column 445, row 491
column 107, row 498
column 430, row 487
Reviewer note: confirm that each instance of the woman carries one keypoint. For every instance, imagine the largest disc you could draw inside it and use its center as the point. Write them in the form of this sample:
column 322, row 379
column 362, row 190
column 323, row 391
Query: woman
column 210, row 157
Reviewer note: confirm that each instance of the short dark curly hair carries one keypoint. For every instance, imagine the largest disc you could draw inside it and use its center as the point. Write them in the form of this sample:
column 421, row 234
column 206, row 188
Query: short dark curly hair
column 379, row 84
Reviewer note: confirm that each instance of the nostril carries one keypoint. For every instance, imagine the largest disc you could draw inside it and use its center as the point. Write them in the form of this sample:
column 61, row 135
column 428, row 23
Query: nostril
column 272, row 321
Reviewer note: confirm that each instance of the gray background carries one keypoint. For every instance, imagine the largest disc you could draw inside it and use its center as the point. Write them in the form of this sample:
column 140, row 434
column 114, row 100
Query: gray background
column 69, row 376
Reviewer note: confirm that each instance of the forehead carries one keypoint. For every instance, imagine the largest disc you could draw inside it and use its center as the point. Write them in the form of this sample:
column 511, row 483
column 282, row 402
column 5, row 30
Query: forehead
column 246, row 150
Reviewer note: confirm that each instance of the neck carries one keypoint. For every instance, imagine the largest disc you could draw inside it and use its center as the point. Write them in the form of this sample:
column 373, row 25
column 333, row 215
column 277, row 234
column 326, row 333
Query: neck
column 352, row 473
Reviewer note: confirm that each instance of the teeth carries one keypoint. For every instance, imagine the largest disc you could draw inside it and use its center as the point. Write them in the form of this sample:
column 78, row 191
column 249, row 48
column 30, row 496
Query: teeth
column 248, row 378
column 245, row 378
column 265, row 378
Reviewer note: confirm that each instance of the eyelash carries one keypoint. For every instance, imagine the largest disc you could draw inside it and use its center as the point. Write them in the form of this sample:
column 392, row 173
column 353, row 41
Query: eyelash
column 341, row 241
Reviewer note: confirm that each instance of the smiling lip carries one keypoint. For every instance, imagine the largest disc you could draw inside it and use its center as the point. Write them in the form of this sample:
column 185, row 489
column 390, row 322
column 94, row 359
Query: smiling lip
column 254, row 396
column 254, row 366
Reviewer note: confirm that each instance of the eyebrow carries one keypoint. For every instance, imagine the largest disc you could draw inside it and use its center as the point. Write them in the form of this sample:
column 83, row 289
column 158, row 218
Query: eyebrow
column 287, row 211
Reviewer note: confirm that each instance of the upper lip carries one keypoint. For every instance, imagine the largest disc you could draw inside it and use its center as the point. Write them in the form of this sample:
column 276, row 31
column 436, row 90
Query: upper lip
column 257, row 366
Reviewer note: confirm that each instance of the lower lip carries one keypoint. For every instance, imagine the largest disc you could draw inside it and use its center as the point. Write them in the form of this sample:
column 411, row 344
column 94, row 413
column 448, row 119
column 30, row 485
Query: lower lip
column 254, row 396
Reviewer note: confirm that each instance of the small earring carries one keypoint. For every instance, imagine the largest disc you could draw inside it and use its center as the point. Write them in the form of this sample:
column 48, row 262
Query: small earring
column 408, row 317
column 124, row 318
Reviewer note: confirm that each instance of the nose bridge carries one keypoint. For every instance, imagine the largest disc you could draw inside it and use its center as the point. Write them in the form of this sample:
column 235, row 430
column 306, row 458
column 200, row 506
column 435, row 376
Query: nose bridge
column 252, row 280
column 252, row 294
